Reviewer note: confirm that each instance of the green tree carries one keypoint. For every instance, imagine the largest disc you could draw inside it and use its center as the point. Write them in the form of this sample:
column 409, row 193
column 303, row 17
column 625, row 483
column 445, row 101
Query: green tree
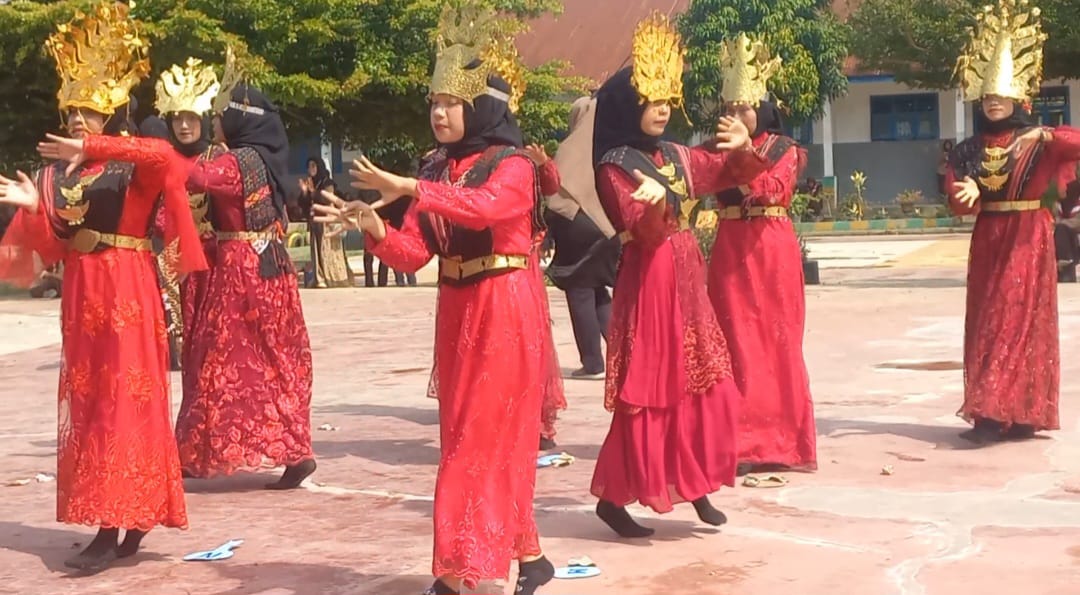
column 353, row 68
column 918, row 41
column 804, row 33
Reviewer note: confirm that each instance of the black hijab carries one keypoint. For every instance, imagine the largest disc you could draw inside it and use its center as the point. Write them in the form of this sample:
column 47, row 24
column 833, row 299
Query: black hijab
column 154, row 127
column 618, row 118
column 1020, row 118
column 488, row 122
column 769, row 119
column 322, row 174
column 259, row 128
column 196, row 148
column 122, row 121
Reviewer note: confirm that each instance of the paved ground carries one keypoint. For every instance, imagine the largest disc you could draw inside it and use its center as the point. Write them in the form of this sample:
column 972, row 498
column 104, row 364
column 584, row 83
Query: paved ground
column 883, row 346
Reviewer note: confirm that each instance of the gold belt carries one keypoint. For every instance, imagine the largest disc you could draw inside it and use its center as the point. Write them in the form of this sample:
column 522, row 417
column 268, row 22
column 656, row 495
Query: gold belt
column 454, row 268
column 88, row 240
column 248, row 236
column 628, row 236
column 1011, row 206
column 751, row 212
column 205, row 228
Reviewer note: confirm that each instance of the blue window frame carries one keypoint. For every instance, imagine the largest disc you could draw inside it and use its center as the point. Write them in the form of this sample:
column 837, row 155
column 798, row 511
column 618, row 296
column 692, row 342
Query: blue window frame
column 1051, row 107
column 904, row 117
column 299, row 152
column 803, row 133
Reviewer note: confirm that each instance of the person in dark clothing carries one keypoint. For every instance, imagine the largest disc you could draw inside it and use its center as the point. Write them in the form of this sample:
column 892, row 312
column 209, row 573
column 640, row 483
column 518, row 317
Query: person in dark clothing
column 1066, row 230
column 394, row 214
column 586, row 245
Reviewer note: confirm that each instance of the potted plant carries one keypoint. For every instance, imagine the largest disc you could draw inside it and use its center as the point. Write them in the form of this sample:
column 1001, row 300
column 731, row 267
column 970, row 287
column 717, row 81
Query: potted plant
column 907, row 201
column 811, row 272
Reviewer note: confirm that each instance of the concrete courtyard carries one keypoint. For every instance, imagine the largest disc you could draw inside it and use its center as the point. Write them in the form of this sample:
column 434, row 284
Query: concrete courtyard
column 883, row 347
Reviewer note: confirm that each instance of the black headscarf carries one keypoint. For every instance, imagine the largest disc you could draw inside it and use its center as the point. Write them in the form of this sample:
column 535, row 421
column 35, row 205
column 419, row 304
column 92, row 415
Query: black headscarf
column 322, row 174
column 122, row 121
column 1020, row 118
column 618, row 118
column 206, row 127
column 154, row 127
column 769, row 119
column 488, row 122
column 263, row 132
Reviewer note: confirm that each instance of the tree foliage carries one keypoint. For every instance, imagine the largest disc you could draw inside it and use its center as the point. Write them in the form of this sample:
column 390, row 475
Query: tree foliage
column 805, row 33
column 356, row 69
column 918, row 41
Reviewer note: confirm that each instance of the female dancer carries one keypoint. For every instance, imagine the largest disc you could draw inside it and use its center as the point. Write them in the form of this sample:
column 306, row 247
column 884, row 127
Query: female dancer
column 116, row 460
column 1011, row 354
column 477, row 207
column 250, row 354
column 672, row 437
column 756, row 278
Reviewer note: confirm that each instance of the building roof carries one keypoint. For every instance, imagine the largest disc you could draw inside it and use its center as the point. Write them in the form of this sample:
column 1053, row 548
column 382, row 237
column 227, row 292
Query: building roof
column 595, row 36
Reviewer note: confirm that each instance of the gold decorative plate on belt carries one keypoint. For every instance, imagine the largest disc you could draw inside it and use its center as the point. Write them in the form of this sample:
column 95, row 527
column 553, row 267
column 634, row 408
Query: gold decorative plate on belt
column 454, row 268
column 88, row 240
column 752, row 212
column 1011, row 206
column 628, row 236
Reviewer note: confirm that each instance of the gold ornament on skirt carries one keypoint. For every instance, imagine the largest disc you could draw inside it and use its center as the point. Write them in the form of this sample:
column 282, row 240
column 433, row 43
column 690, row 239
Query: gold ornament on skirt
column 99, row 57
column 1005, row 54
column 190, row 88
column 472, row 44
column 746, row 68
column 658, row 61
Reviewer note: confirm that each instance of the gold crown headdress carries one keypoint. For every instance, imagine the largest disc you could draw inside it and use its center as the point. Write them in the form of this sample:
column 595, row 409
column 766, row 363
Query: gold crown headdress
column 658, row 61
column 230, row 78
column 100, row 57
column 472, row 35
column 1005, row 55
column 746, row 68
column 190, row 88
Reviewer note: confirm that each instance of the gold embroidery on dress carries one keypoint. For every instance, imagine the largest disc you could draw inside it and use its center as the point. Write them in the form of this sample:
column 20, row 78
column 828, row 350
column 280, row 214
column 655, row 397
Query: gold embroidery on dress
column 994, row 161
column 77, row 206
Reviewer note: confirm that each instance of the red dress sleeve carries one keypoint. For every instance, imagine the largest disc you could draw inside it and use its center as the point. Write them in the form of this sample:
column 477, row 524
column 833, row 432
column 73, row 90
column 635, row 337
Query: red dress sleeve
column 549, row 178
column 1066, row 144
column 712, row 172
column 159, row 171
column 507, row 194
column 402, row 249
column 219, row 176
column 777, row 184
column 646, row 222
column 26, row 235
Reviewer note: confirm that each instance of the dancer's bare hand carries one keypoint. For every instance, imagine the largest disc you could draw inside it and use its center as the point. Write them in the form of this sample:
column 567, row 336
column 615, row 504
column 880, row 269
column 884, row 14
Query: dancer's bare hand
column 649, row 190
column 63, row 149
column 350, row 215
column 367, row 176
column 20, row 192
column 731, row 135
column 966, row 191
column 537, row 153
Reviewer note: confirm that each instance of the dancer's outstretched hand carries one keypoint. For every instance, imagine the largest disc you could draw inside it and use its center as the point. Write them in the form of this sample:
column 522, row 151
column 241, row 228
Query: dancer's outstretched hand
column 63, row 149
column 966, row 191
column 649, row 191
column 367, row 176
column 351, row 215
column 20, row 192
column 731, row 135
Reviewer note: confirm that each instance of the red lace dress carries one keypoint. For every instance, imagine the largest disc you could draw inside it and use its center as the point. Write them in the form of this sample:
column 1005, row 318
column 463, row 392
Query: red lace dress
column 117, row 464
column 554, row 395
column 1012, row 363
column 672, row 436
column 250, row 355
column 756, row 287
column 489, row 375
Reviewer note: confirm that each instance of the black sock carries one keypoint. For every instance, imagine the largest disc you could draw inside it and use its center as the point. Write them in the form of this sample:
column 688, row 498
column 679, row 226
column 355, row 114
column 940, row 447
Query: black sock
column 533, row 575
column 620, row 521
column 440, row 588
column 707, row 513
